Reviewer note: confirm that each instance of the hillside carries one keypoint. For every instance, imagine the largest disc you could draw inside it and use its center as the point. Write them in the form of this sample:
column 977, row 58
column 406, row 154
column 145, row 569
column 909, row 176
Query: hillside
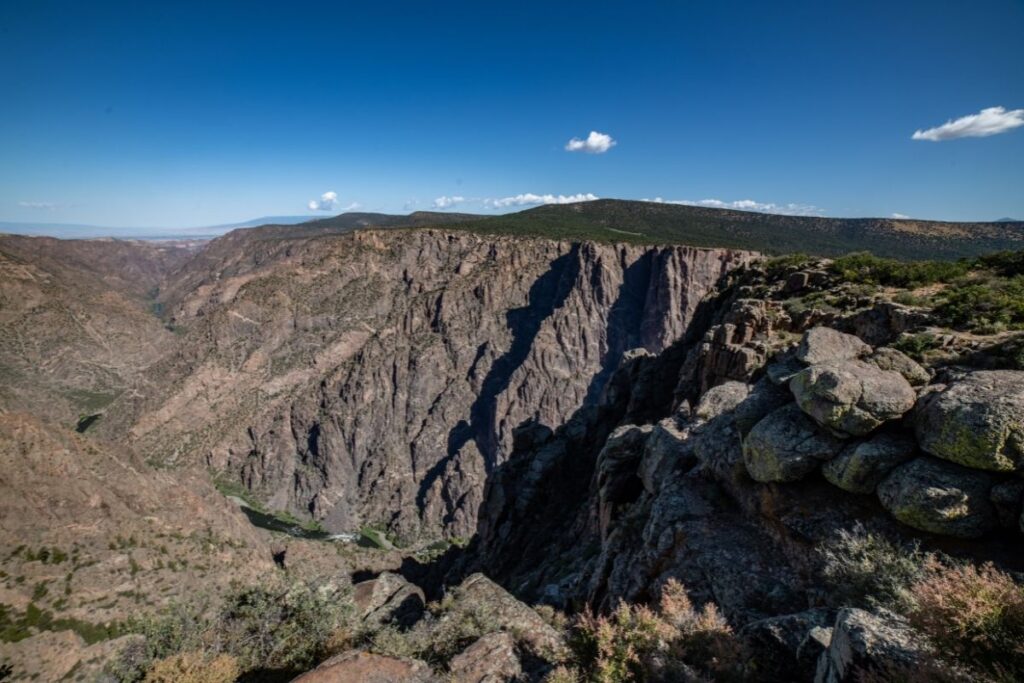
column 613, row 220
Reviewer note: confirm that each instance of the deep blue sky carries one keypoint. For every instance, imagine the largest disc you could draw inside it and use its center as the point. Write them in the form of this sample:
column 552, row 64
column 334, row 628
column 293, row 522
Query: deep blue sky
column 173, row 114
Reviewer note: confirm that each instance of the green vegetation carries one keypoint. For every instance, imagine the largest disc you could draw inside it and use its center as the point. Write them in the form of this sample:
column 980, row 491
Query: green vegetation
column 653, row 223
column 282, row 628
column 16, row 626
column 273, row 520
column 863, row 569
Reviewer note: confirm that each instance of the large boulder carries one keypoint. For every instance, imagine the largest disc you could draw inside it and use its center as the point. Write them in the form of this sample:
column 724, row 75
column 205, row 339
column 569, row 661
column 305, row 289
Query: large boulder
column 388, row 598
column 823, row 344
column 861, row 467
column 977, row 421
column 851, row 397
column 940, row 497
column 491, row 659
column 786, row 446
column 356, row 666
column 864, row 643
column 506, row 613
column 765, row 396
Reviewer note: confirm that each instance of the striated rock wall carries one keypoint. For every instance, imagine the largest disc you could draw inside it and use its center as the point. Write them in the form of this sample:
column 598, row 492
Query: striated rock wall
column 376, row 378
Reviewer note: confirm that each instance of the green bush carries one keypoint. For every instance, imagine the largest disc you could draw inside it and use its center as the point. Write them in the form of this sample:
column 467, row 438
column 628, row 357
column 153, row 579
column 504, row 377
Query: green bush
column 866, row 268
column 986, row 305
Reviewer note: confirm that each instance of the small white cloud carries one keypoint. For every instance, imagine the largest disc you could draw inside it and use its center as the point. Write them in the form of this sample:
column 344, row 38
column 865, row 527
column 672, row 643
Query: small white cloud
column 596, row 143
column 991, row 121
column 448, row 202
column 47, row 206
column 747, row 205
column 530, row 199
column 900, row 216
column 328, row 202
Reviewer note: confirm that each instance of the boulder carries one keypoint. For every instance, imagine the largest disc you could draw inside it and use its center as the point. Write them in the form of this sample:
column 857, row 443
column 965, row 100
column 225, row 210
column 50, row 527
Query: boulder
column 787, row 647
column 940, row 497
column 388, row 598
column 851, row 397
column 722, row 398
column 887, row 358
column 786, row 446
column 491, row 659
column 356, row 666
column 977, row 421
column 782, row 370
column 861, row 467
column 863, row 643
column 501, row 608
column 823, row 344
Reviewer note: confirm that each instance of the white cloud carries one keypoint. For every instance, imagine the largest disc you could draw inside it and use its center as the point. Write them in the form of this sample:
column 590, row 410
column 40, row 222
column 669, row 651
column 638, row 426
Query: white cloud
column 328, row 202
column 448, row 202
column 991, row 121
column 38, row 205
column 900, row 216
column 747, row 205
column 530, row 199
column 596, row 143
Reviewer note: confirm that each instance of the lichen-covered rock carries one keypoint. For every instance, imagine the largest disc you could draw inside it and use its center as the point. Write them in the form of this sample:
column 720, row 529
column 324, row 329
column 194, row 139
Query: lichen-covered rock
column 719, row 399
column 388, row 598
column 940, row 497
column 862, row 466
column 491, row 659
column 863, row 643
column 823, row 344
column 851, row 397
column 888, row 358
column 977, row 421
column 786, row 446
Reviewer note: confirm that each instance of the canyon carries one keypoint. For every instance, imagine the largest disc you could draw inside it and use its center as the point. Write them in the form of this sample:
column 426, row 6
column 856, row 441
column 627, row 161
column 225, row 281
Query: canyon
column 582, row 420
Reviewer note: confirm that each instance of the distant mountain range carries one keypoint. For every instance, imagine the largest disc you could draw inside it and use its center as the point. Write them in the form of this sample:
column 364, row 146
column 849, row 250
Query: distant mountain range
column 86, row 231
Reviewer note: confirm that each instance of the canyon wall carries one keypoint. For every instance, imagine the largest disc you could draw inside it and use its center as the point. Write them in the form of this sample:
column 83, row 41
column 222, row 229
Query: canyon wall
column 376, row 378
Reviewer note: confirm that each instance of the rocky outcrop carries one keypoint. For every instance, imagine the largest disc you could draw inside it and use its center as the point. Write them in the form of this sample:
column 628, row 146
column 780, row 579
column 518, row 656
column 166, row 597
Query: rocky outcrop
column 491, row 659
column 861, row 467
column 863, row 643
column 388, row 599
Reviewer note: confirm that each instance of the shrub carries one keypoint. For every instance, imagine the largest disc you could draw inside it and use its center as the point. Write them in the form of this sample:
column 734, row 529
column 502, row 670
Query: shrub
column 866, row 268
column 862, row 569
column 194, row 667
column 915, row 345
column 974, row 616
column 637, row 643
column 986, row 305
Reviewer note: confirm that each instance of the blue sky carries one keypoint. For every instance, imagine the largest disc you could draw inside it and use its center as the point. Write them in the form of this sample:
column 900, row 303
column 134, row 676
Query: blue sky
column 180, row 114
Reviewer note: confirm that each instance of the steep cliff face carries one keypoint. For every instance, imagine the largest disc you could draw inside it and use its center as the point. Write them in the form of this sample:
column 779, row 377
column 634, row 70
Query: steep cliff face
column 376, row 378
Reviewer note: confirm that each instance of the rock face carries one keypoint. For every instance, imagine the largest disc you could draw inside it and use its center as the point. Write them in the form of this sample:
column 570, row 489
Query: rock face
column 936, row 496
column 977, row 421
column 365, row 667
column 377, row 377
column 491, row 659
column 852, row 398
column 786, row 446
column 864, row 643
